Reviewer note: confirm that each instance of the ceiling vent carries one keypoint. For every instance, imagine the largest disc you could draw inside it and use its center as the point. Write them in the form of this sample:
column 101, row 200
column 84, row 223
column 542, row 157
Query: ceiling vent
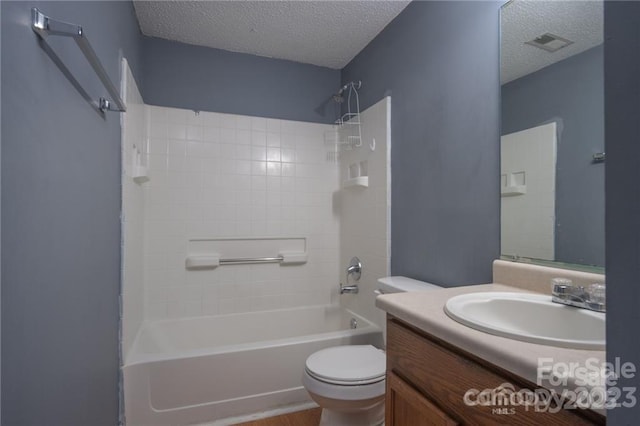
column 549, row 42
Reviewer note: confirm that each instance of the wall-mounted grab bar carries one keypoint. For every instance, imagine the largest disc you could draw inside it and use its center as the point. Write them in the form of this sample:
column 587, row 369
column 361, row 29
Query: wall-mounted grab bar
column 213, row 260
column 45, row 26
column 249, row 260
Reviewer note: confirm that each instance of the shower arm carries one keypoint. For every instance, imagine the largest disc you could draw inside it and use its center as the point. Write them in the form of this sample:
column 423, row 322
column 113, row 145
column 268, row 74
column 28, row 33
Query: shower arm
column 346, row 86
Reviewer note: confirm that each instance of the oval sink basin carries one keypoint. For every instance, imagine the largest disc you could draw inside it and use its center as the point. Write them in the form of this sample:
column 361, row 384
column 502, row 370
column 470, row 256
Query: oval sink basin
column 530, row 318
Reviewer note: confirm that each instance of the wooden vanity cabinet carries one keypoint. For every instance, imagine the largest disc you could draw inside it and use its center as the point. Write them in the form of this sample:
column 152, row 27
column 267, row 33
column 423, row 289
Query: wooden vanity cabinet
column 427, row 379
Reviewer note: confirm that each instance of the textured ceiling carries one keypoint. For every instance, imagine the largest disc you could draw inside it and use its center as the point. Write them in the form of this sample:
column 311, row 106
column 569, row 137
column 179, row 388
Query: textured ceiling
column 524, row 20
column 325, row 33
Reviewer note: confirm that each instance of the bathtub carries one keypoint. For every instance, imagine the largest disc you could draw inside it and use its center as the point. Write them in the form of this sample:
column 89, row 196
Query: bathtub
column 215, row 369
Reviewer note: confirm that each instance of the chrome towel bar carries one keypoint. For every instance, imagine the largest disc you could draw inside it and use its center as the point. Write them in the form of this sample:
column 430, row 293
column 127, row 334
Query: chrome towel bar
column 44, row 26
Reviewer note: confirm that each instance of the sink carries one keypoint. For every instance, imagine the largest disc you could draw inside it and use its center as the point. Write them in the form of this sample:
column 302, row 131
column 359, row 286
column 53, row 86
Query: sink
column 529, row 318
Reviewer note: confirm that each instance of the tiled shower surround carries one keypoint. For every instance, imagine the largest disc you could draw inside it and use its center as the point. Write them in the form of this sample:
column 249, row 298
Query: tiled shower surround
column 134, row 133
column 221, row 175
column 365, row 212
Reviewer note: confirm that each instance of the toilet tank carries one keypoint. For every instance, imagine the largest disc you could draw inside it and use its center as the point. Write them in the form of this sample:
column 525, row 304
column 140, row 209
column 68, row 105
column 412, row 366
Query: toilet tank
column 400, row 284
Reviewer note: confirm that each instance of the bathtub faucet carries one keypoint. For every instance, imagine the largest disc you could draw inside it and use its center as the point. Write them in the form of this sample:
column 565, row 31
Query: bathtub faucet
column 353, row 270
column 351, row 289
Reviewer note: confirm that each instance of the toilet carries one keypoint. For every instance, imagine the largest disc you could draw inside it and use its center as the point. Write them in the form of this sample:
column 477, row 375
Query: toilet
column 348, row 382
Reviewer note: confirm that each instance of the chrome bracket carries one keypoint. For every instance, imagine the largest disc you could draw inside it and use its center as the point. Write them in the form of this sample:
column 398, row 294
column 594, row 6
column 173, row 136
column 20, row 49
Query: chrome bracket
column 44, row 27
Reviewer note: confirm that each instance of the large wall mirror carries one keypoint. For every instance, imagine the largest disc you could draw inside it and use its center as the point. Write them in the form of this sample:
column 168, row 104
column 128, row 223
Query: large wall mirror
column 552, row 144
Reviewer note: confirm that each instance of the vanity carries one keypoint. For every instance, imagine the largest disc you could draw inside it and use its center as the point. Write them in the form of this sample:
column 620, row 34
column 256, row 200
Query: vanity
column 441, row 372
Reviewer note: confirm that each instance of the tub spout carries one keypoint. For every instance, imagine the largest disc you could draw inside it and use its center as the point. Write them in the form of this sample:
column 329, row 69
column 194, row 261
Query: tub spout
column 351, row 289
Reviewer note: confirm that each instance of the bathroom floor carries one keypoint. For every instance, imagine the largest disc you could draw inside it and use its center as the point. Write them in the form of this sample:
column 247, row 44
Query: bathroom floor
column 300, row 418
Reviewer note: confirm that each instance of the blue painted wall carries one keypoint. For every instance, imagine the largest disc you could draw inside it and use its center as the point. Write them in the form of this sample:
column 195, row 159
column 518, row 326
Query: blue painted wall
column 572, row 93
column 186, row 76
column 61, row 219
column 440, row 62
column 622, row 130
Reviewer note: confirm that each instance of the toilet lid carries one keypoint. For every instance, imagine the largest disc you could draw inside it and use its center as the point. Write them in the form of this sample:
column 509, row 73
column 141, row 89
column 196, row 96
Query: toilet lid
column 348, row 364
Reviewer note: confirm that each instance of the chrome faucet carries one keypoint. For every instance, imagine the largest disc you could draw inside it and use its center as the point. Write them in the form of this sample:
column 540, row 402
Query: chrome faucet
column 592, row 297
column 354, row 269
column 350, row 289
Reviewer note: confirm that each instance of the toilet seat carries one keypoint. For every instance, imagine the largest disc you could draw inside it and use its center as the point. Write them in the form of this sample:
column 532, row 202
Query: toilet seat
column 351, row 365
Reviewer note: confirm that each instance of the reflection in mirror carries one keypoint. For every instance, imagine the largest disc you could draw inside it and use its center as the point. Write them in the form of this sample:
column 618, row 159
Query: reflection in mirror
column 552, row 145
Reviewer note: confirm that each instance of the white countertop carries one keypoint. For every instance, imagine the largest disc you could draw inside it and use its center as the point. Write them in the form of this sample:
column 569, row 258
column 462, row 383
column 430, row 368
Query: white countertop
column 425, row 311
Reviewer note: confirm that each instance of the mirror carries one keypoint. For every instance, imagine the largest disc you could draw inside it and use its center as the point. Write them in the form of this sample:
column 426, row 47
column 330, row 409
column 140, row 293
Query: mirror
column 552, row 144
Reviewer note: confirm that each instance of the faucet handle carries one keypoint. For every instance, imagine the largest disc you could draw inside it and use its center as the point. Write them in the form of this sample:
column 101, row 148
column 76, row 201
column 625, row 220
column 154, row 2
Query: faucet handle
column 354, row 269
column 560, row 286
column 597, row 293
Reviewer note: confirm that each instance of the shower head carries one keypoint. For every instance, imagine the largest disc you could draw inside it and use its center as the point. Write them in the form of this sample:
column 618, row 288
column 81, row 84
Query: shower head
column 338, row 96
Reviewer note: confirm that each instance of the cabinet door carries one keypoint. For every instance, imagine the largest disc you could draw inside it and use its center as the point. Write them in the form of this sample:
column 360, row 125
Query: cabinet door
column 442, row 375
column 406, row 406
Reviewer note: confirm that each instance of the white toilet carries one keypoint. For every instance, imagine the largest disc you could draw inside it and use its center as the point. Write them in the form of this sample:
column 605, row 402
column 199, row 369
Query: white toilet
column 348, row 382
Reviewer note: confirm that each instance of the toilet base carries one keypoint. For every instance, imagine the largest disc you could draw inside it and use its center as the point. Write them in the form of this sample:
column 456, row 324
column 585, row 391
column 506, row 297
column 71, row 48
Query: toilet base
column 346, row 414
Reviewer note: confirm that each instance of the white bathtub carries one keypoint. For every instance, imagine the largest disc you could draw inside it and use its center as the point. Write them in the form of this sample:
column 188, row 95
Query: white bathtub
column 214, row 368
